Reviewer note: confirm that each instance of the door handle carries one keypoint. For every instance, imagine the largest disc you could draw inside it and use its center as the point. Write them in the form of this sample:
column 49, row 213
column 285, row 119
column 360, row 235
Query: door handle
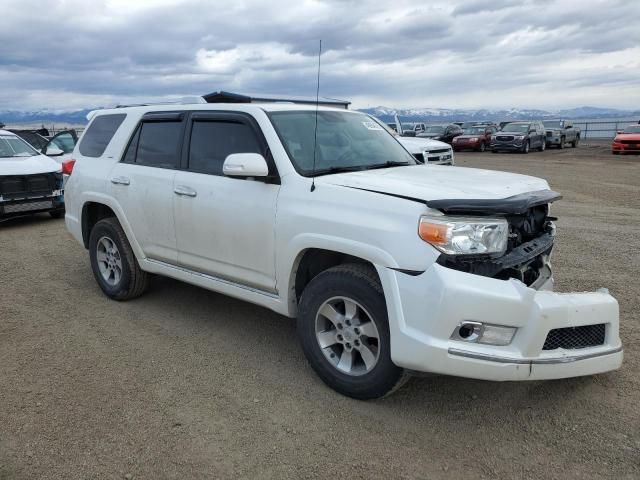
column 120, row 180
column 185, row 191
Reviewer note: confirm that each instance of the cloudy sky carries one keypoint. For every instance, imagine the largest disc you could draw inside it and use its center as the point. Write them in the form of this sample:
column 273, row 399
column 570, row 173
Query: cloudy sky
column 71, row 54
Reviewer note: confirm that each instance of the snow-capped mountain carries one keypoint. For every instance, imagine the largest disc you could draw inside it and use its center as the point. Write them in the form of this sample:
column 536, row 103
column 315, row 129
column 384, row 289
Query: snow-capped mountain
column 449, row 114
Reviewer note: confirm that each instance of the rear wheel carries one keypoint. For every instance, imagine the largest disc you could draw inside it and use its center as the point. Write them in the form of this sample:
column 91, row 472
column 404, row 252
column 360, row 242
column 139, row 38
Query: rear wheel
column 575, row 142
column 543, row 146
column 344, row 331
column 483, row 147
column 113, row 262
column 562, row 142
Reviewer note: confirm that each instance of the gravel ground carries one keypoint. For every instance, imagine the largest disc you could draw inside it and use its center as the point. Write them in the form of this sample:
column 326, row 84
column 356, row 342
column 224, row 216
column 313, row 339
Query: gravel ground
column 185, row 383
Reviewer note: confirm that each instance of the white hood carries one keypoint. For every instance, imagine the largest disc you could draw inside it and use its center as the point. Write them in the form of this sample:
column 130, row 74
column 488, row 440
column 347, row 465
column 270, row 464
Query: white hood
column 28, row 165
column 419, row 145
column 431, row 182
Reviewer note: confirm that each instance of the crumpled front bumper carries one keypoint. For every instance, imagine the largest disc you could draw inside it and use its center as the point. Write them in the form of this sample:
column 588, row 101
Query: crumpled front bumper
column 424, row 311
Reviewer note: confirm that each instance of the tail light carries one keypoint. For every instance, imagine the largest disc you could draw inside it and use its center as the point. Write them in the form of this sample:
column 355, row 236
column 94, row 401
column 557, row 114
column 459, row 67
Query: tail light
column 67, row 166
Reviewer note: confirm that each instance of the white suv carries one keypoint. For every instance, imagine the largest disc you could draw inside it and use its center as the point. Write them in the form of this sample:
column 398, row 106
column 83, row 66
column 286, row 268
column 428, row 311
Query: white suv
column 389, row 266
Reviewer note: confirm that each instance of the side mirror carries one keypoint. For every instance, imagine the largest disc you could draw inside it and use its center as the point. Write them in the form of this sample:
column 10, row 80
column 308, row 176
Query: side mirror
column 245, row 165
column 52, row 151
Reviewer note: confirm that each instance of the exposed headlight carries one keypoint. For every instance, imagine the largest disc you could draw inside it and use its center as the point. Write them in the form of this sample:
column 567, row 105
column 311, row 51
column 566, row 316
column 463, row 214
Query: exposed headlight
column 465, row 236
column 519, row 137
column 473, row 139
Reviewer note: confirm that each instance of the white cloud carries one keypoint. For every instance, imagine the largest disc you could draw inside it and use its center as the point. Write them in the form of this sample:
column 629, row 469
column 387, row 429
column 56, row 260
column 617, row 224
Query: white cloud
column 467, row 54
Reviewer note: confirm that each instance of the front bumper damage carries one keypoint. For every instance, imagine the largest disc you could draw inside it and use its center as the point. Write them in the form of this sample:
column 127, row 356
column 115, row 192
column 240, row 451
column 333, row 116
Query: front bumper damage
column 425, row 309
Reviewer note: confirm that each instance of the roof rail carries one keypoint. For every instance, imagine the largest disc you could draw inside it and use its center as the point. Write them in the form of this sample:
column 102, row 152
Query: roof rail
column 182, row 101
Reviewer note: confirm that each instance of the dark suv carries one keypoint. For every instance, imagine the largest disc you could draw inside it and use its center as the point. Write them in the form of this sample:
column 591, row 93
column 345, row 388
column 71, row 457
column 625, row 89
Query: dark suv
column 444, row 133
column 520, row 137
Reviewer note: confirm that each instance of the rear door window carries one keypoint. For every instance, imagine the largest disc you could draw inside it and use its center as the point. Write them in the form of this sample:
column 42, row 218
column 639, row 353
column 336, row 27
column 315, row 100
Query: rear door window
column 158, row 144
column 95, row 140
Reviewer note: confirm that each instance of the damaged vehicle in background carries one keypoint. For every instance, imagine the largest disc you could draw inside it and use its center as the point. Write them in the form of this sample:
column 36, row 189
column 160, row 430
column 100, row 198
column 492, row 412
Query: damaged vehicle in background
column 320, row 214
column 29, row 181
column 59, row 147
column 425, row 150
column 627, row 140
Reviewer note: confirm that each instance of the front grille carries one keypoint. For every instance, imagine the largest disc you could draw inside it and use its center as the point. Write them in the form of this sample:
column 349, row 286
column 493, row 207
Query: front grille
column 630, row 142
column 571, row 338
column 439, row 151
column 549, row 133
column 28, row 186
column 28, row 206
column 504, row 138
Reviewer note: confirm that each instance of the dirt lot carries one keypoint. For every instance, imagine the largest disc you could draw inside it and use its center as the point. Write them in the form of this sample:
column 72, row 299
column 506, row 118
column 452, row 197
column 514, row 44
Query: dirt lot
column 184, row 383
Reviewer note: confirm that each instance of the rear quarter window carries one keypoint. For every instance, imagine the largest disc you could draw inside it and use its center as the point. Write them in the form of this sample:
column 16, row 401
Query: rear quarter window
column 95, row 140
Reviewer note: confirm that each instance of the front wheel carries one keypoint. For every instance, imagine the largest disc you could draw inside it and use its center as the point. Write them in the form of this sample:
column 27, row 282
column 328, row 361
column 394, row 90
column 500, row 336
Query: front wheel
column 344, row 331
column 483, row 147
column 562, row 142
column 526, row 147
column 57, row 214
column 543, row 146
column 113, row 262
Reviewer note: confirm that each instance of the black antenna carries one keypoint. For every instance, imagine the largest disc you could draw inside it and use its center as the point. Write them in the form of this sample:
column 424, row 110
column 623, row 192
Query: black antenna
column 315, row 133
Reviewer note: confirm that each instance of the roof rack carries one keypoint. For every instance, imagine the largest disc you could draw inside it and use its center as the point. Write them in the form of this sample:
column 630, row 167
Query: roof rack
column 182, row 101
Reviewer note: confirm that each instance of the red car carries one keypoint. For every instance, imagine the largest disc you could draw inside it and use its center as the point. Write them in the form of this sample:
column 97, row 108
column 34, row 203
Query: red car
column 477, row 137
column 627, row 140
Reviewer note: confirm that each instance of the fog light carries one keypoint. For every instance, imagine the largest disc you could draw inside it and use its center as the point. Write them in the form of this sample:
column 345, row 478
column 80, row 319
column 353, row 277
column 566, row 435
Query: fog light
column 476, row 332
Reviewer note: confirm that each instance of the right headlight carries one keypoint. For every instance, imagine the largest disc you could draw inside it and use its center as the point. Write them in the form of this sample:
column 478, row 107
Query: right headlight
column 465, row 236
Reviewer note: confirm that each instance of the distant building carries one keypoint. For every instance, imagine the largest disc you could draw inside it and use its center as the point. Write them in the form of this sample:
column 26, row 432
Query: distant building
column 229, row 97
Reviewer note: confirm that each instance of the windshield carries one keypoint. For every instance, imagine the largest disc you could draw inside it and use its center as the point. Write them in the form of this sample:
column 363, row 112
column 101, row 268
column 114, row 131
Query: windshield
column 474, row 130
column 516, row 127
column 345, row 141
column 435, row 129
column 15, row 147
column 632, row 129
column 408, row 126
column 553, row 123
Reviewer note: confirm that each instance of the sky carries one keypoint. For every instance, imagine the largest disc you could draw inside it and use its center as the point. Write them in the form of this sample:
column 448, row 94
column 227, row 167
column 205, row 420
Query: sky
column 75, row 54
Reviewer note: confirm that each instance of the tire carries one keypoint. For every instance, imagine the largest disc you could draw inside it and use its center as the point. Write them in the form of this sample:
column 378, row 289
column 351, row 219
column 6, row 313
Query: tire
column 575, row 142
column 526, row 147
column 562, row 141
column 113, row 262
column 57, row 214
column 543, row 146
column 483, row 147
column 494, row 151
column 332, row 291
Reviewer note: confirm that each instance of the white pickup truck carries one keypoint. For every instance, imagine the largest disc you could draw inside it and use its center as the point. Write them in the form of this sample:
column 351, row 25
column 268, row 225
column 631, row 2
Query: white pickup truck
column 390, row 267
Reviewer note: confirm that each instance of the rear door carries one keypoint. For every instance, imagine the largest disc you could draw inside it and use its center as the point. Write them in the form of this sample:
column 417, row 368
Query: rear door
column 142, row 182
column 225, row 226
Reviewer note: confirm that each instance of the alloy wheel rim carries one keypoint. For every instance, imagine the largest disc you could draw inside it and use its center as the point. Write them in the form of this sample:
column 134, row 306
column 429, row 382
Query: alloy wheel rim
column 109, row 261
column 347, row 336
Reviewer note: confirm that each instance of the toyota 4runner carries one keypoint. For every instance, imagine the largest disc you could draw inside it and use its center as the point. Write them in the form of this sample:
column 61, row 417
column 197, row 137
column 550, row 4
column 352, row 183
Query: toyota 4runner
column 390, row 267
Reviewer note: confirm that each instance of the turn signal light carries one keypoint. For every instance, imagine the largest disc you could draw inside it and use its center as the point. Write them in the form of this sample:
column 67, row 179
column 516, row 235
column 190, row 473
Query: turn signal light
column 434, row 233
column 67, row 166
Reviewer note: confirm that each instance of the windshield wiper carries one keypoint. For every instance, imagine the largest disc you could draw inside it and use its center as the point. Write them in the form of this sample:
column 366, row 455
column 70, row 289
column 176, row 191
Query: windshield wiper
column 329, row 170
column 385, row 165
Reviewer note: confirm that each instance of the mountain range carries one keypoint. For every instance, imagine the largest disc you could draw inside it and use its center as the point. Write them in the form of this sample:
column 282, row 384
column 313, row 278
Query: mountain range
column 449, row 115
column 79, row 117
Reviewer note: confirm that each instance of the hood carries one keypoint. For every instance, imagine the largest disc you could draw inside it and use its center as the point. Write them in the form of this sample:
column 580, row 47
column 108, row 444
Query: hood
column 433, row 182
column 465, row 136
column 28, row 165
column 628, row 136
column 431, row 135
column 420, row 144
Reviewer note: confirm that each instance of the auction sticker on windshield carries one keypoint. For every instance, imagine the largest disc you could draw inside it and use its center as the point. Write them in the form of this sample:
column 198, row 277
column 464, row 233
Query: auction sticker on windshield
column 372, row 125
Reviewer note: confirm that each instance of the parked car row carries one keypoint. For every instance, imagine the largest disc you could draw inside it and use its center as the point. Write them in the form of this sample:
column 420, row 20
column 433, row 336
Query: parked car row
column 522, row 136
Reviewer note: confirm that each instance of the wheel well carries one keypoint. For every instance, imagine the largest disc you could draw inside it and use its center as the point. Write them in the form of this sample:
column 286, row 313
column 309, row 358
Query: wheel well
column 92, row 213
column 314, row 261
